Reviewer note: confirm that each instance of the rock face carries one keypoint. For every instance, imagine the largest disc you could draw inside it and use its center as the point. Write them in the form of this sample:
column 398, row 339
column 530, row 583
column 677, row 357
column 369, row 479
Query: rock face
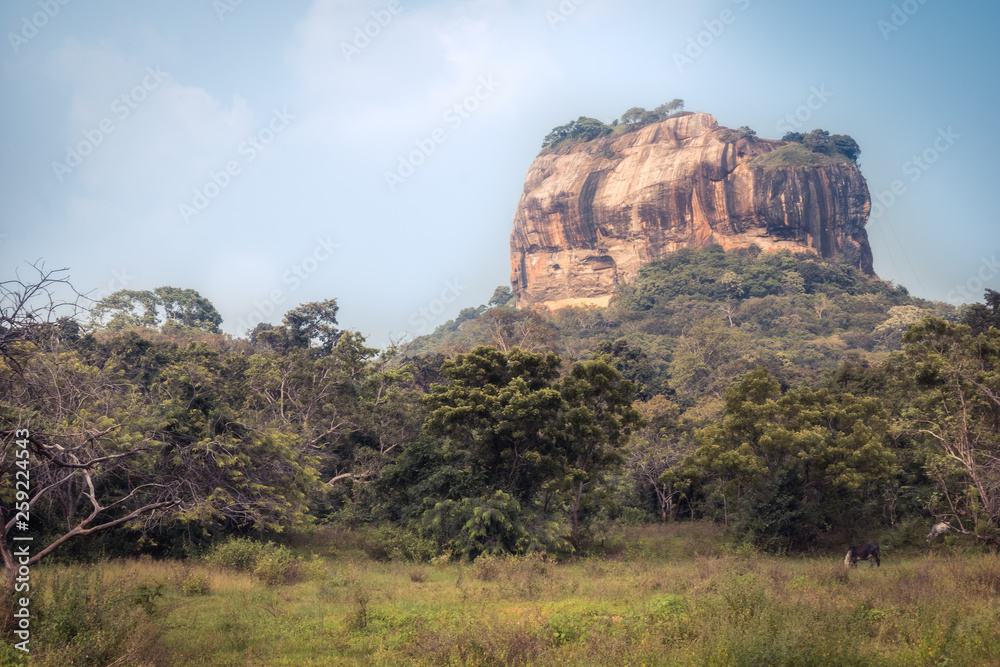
column 593, row 213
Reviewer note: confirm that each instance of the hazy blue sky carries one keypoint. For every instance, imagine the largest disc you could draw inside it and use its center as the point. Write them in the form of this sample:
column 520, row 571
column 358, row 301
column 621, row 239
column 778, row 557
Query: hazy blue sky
column 240, row 147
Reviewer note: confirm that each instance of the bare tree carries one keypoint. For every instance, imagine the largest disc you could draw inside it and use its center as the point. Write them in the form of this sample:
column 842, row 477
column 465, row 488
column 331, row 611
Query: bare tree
column 526, row 329
column 955, row 406
column 58, row 438
column 32, row 308
column 82, row 450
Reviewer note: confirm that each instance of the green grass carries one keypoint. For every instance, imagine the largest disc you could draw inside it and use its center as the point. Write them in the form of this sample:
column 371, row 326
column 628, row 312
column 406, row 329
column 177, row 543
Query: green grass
column 675, row 595
column 795, row 155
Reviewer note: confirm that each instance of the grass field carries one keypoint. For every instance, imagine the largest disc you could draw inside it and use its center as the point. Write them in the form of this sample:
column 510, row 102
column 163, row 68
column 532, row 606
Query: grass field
column 674, row 596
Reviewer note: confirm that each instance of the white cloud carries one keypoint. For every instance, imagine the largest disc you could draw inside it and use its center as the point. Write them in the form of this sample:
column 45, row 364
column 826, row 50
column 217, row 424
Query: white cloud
column 136, row 139
column 416, row 68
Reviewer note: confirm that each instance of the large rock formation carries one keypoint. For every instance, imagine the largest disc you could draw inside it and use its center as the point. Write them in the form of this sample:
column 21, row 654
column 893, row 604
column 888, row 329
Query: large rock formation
column 593, row 213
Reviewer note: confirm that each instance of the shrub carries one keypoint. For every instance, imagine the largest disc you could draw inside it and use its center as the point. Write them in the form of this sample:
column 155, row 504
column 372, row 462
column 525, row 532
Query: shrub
column 360, row 609
column 634, row 516
column 276, row 566
column 387, row 543
column 271, row 563
column 794, row 155
column 518, row 576
column 238, row 553
column 85, row 618
column 491, row 525
column 195, row 584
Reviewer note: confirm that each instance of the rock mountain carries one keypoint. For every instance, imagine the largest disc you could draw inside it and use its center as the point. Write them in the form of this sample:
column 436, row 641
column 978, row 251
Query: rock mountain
column 593, row 213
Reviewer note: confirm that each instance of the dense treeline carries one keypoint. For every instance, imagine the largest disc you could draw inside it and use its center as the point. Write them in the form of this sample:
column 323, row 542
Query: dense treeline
column 830, row 354
column 781, row 395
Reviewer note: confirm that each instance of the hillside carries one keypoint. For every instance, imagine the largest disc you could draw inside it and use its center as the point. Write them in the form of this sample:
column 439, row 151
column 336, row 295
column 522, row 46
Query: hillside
column 699, row 318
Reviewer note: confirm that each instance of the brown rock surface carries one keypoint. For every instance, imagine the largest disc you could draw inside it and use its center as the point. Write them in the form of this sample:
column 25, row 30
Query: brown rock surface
column 593, row 213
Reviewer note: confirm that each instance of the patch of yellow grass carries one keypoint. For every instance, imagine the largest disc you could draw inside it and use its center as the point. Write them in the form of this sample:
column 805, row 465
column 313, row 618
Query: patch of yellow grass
column 677, row 597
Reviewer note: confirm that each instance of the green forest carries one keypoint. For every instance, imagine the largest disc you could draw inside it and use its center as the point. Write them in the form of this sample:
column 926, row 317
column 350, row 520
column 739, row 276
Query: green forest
column 791, row 403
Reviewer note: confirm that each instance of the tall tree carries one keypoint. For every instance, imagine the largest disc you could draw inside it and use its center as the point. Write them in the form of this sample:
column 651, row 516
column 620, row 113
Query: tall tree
column 182, row 307
column 980, row 317
column 501, row 297
column 633, row 115
column 598, row 418
column 825, row 456
column 503, row 411
column 187, row 308
column 656, row 447
column 313, row 322
column 954, row 378
column 127, row 308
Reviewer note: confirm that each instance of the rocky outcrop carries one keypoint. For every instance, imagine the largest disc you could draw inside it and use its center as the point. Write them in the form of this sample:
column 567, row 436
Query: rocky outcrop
column 593, row 213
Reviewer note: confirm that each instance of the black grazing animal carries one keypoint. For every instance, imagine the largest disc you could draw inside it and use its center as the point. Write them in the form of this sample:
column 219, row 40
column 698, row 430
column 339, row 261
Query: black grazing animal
column 858, row 552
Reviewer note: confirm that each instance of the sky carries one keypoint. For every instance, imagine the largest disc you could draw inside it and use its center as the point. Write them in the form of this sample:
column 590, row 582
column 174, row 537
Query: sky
column 269, row 154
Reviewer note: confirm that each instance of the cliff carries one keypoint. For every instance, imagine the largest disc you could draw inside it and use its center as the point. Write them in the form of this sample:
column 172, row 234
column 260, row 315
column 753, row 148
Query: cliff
column 593, row 213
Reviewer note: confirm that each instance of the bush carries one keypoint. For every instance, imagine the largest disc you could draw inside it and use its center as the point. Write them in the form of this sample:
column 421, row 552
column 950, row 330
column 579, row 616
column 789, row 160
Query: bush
column 271, row 563
column 83, row 618
column 794, row 155
column 238, row 553
column 491, row 525
column 195, row 584
column 276, row 566
column 634, row 516
column 516, row 576
column 387, row 543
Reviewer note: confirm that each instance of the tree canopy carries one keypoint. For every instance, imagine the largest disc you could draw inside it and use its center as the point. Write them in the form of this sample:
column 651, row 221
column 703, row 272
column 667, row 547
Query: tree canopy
column 587, row 129
column 163, row 305
column 821, row 141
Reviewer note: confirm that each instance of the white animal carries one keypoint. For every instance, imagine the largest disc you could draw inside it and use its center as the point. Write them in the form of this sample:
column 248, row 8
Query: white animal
column 938, row 529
